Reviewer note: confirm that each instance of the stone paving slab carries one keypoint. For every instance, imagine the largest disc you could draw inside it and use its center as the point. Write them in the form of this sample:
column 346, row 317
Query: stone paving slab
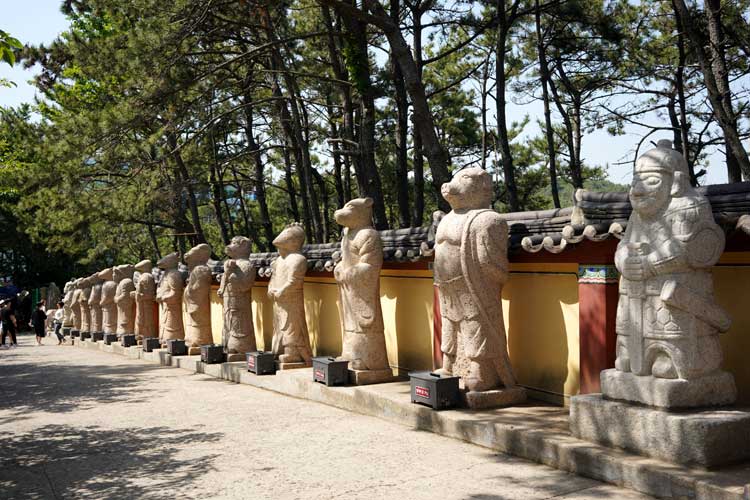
column 533, row 431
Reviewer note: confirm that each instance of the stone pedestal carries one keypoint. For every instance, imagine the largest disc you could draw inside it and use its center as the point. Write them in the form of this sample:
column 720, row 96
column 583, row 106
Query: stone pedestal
column 494, row 398
column 292, row 366
column 236, row 356
column 714, row 389
column 708, row 437
column 194, row 351
column 366, row 377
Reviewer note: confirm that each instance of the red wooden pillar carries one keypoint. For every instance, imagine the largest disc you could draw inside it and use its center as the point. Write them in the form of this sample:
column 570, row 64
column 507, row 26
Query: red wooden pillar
column 437, row 330
column 597, row 310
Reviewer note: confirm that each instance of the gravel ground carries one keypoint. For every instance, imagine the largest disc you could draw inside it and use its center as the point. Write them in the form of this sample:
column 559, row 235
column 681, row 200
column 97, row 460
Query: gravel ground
column 80, row 424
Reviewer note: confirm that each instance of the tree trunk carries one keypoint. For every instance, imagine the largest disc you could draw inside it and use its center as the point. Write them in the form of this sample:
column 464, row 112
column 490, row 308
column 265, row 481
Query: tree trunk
column 418, row 153
column 502, row 126
column 726, row 117
column 200, row 237
column 402, row 129
column 548, row 131
column 422, row 117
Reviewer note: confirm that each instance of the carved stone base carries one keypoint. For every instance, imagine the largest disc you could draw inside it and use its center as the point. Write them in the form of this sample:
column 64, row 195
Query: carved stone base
column 236, row 356
column 703, row 437
column 712, row 390
column 366, row 377
column 495, row 398
column 292, row 366
column 194, row 351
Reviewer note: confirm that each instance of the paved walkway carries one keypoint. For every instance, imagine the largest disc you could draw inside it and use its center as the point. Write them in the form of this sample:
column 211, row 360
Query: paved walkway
column 81, row 424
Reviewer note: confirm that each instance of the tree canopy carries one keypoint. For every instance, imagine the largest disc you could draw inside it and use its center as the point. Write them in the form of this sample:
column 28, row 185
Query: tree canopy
column 166, row 124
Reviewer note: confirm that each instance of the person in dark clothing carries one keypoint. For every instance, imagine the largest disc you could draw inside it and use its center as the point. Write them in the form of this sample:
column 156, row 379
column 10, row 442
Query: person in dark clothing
column 9, row 324
column 38, row 320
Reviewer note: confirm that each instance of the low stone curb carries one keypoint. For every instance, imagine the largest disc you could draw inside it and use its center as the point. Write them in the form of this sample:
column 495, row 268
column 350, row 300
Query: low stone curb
column 532, row 431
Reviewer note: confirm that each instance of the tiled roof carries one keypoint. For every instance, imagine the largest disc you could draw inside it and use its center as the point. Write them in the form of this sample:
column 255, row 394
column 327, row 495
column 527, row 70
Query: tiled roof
column 594, row 217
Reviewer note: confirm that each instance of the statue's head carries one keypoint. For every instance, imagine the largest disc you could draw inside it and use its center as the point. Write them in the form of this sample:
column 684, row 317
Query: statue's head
column 198, row 255
column 123, row 271
column 169, row 261
column 68, row 287
column 94, row 279
column 144, row 266
column 660, row 174
column 291, row 238
column 105, row 274
column 470, row 188
column 238, row 248
column 355, row 213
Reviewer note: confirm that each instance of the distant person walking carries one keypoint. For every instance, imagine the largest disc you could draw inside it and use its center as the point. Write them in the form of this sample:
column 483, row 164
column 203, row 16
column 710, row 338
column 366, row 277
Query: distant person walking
column 58, row 319
column 9, row 324
column 38, row 320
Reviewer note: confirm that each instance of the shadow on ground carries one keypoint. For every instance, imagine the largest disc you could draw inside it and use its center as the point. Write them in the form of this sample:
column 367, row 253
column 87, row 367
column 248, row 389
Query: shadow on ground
column 29, row 387
column 68, row 462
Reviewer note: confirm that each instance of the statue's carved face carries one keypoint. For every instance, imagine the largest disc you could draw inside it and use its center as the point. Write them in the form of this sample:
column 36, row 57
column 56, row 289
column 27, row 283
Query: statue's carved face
column 198, row 255
column 470, row 188
column 355, row 214
column 291, row 239
column 650, row 190
column 238, row 248
column 169, row 261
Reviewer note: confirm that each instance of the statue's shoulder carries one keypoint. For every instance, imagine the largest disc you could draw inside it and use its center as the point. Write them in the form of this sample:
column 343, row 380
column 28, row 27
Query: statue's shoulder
column 368, row 234
column 488, row 218
column 689, row 208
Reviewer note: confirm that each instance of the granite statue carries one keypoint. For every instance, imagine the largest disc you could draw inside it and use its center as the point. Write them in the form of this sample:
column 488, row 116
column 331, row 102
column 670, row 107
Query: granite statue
column 107, row 302
column 169, row 297
column 197, row 297
column 84, row 301
column 145, row 298
column 668, row 321
column 75, row 305
column 235, row 289
column 471, row 267
column 125, row 299
column 291, row 342
column 358, row 278
column 666, row 396
column 67, row 303
column 95, row 308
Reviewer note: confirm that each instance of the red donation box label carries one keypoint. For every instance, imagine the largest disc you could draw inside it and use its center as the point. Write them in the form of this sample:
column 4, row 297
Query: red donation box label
column 422, row 392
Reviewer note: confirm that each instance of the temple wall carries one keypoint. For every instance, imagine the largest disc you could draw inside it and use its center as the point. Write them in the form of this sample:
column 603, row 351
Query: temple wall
column 540, row 307
column 541, row 311
column 732, row 281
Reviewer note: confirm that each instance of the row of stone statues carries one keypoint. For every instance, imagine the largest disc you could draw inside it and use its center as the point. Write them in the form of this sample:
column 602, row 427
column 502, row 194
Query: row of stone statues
column 668, row 352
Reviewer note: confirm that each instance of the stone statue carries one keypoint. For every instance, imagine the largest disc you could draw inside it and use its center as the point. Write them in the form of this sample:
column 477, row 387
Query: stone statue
column 238, row 333
column 197, row 297
column 107, row 302
column 471, row 267
column 291, row 342
column 95, row 307
column 145, row 296
column 75, row 305
column 67, row 303
column 668, row 322
column 84, row 301
column 358, row 277
column 169, row 296
column 125, row 299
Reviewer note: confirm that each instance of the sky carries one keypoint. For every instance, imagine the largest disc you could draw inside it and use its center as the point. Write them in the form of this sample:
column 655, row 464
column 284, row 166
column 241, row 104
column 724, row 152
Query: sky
column 40, row 21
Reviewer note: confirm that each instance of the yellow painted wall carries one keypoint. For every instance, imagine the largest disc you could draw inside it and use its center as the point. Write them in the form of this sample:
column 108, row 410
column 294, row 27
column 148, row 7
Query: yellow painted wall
column 406, row 300
column 733, row 293
column 540, row 307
